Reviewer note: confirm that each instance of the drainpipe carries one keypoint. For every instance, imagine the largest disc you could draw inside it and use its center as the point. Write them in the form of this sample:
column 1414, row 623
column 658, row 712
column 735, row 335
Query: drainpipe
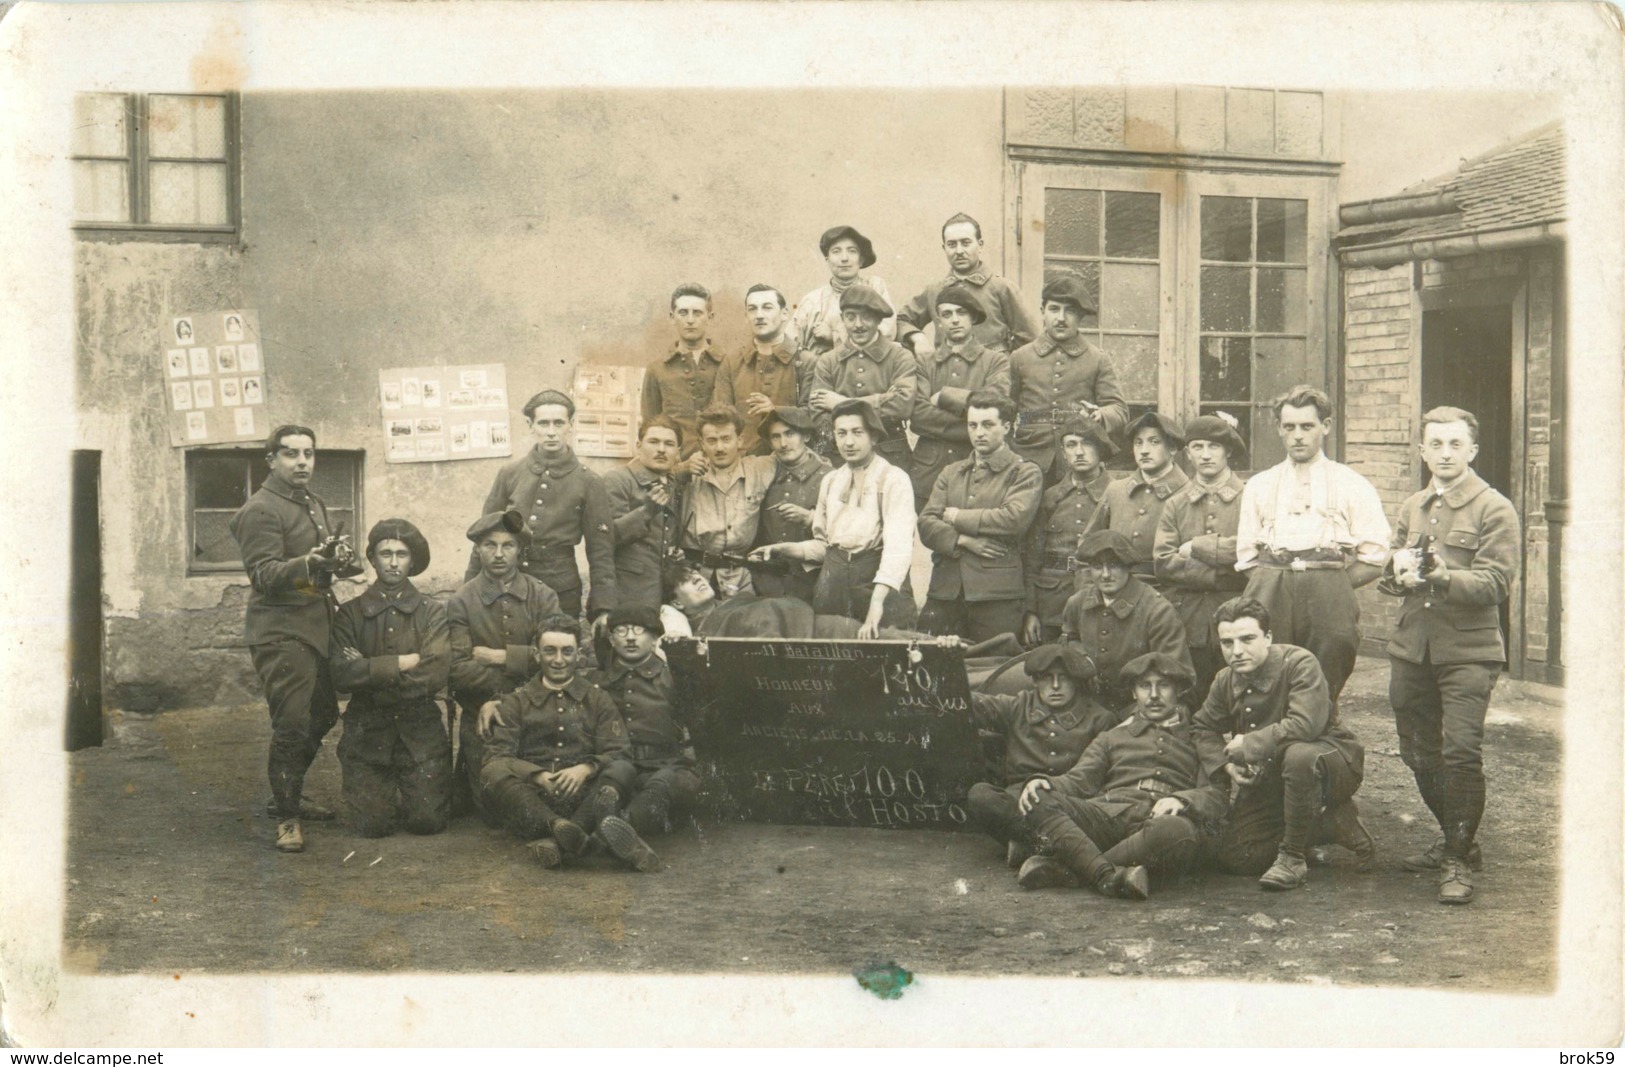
column 1391, row 253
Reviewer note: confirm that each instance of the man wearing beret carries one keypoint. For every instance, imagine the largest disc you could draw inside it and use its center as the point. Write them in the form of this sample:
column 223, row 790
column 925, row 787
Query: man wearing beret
column 292, row 553
column 1008, row 324
column 557, row 768
column 641, row 685
column 1060, row 375
column 391, row 651
column 974, row 524
column 1195, row 548
column 682, row 382
column 1048, row 560
column 1132, row 506
column 1138, row 800
column 492, row 624
column 867, row 367
column 1456, row 558
column 1116, row 617
column 948, row 376
column 1045, row 730
column 1270, row 727
column 787, row 509
column 646, row 499
column 817, row 325
column 768, row 373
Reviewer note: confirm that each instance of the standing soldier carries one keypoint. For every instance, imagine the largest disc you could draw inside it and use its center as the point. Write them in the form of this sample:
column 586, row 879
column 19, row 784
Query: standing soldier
column 787, row 509
column 1008, row 324
column 646, row 498
column 1457, row 557
column 869, row 368
column 1311, row 531
column 1132, row 506
column 1196, row 541
column 958, row 367
column 817, row 325
column 292, row 553
column 565, row 504
column 975, row 523
column 767, row 373
column 1052, row 570
column 1060, row 375
column 722, row 510
column 391, row 651
column 681, row 383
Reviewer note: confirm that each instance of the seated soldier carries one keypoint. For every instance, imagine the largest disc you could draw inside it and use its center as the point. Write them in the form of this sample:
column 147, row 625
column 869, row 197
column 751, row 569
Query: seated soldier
column 1117, row 617
column 1046, row 729
column 390, row 651
column 641, row 685
column 556, row 766
column 1138, row 800
column 692, row 609
column 1297, row 766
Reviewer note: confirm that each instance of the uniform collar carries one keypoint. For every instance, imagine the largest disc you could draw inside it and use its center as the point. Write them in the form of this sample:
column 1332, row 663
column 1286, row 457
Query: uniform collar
column 374, row 601
column 490, row 590
column 970, row 351
column 739, row 474
column 1163, row 487
column 1264, row 677
column 286, row 491
column 976, row 278
column 649, row 668
column 1069, row 716
column 557, row 468
column 998, row 461
column 578, row 688
column 1465, row 489
column 1138, row 724
column 875, row 349
column 704, row 352
column 1123, row 603
column 1045, row 344
column 784, row 351
column 643, row 475
column 809, row 465
column 1093, row 488
column 1226, row 490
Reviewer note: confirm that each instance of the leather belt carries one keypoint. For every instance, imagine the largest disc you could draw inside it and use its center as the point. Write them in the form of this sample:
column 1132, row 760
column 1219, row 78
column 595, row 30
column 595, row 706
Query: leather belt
column 848, row 555
column 1060, row 561
column 713, row 559
column 1154, row 785
column 1313, row 559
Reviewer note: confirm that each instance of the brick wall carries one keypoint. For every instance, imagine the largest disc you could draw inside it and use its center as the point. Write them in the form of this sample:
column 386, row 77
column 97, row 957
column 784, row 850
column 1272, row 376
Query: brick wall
column 1543, row 297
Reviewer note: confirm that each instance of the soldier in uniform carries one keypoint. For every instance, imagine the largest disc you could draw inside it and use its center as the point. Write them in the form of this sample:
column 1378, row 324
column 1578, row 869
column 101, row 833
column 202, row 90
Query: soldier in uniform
column 975, row 523
column 869, row 368
column 1133, row 505
column 492, row 623
column 768, row 373
column 565, row 504
column 1008, row 324
column 1455, row 561
column 1138, row 800
column 722, row 510
column 1195, row 549
column 1060, row 375
column 1052, row 570
column 682, row 382
column 787, row 509
column 646, row 498
column 557, row 767
column 1269, row 726
column 292, row 553
column 1116, row 617
column 958, row 367
column 1045, row 730
column 817, row 325
column 392, row 653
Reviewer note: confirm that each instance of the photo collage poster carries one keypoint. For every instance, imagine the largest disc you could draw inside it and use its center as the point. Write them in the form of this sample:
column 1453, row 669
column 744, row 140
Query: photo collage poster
column 214, row 377
column 607, row 402
column 434, row 414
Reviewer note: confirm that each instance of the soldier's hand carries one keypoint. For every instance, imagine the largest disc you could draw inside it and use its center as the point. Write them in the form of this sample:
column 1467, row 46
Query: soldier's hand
column 1185, row 550
column 1232, row 749
column 921, row 344
column 980, row 546
column 408, row 661
column 1032, row 631
column 350, row 654
column 1167, row 806
column 822, row 332
column 793, row 512
column 758, row 404
column 1245, row 773
column 320, row 564
column 696, row 465
column 491, row 657
column 489, row 716
column 568, row 782
column 760, row 555
column 600, row 624
column 1029, row 794
column 660, row 494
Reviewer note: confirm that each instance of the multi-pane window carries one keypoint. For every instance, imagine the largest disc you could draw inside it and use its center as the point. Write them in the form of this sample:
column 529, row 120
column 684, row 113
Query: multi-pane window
column 160, row 162
column 219, row 481
column 1254, row 319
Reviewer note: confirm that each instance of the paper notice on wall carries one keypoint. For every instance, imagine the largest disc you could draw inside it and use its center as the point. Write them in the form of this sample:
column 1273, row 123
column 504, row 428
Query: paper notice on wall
column 607, row 402
column 435, row 414
column 204, row 356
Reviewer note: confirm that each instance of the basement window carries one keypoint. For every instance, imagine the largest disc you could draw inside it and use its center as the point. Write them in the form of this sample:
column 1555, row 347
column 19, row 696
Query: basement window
column 219, row 481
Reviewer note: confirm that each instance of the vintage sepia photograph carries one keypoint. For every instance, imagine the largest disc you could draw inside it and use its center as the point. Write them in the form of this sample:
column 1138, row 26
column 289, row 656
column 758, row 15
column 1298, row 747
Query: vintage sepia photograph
column 1126, row 530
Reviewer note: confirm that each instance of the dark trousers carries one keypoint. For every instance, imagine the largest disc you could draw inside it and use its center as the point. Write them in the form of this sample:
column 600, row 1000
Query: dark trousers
column 993, row 810
column 1093, row 836
column 467, row 792
column 1283, row 811
column 1439, row 716
column 528, row 811
column 1316, row 610
column 557, row 567
column 661, row 795
column 397, row 770
column 795, row 582
column 976, row 621
column 1207, row 660
column 845, row 584
column 299, row 692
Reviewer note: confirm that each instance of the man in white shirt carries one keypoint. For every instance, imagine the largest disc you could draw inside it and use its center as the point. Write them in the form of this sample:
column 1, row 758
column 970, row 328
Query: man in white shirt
column 816, row 324
column 1311, row 531
column 722, row 510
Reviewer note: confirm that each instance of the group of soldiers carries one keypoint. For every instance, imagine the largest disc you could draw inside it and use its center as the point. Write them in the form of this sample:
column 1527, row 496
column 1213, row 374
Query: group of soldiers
column 1187, row 635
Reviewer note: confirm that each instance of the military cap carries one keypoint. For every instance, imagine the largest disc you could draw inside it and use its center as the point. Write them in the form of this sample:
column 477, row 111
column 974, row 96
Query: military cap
column 860, row 296
column 1068, row 659
column 1099, row 543
column 1156, row 420
column 1164, row 663
column 861, row 407
column 960, row 296
column 510, row 520
column 1090, row 429
column 644, row 615
column 1217, row 429
column 1069, row 289
column 798, row 419
column 408, row 535
column 866, row 248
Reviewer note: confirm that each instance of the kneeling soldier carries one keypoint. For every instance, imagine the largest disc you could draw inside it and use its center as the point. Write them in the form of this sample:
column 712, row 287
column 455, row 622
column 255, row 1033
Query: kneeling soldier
column 1138, row 798
column 1046, row 729
column 1297, row 766
column 641, row 684
column 1117, row 617
column 391, row 652
column 557, row 764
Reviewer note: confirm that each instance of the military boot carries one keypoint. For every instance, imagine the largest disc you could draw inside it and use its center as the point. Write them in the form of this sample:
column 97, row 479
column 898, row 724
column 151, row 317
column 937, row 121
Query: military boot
column 1289, row 871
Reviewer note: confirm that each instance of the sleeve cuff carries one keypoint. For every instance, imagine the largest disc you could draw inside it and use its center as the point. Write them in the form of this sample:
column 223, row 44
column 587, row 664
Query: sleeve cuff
column 384, row 670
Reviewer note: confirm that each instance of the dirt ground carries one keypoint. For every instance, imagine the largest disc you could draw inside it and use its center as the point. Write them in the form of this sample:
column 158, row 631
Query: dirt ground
column 171, row 869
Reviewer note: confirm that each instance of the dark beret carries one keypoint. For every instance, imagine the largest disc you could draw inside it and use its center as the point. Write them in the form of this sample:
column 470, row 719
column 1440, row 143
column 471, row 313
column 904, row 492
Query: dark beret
column 860, row 406
column 1156, row 420
column 1069, row 289
column 510, row 520
column 858, row 295
column 960, row 296
column 1100, row 543
column 644, row 615
column 1213, row 428
column 866, row 248
column 1069, row 659
column 408, row 535
column 798, row 419
column 1090, row 429
column 1163, row 663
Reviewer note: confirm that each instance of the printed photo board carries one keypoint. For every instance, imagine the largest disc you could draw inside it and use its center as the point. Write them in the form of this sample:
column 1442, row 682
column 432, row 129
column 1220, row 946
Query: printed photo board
column 214, row 377
column 607, row 402
column 434, row 414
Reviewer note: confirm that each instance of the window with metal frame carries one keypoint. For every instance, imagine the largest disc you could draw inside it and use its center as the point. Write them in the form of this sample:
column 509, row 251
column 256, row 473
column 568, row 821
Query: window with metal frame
column 220, row 480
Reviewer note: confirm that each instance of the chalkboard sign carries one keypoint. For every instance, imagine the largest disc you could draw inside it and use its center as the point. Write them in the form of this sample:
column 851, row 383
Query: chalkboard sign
column 833, row 733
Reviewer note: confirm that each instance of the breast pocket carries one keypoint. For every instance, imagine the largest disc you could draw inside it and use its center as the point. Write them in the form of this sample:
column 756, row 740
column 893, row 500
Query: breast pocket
column 1460, row 546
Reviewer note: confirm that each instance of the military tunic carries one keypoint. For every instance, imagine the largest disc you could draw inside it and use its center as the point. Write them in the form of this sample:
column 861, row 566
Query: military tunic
column 782, row 375
column 645, row 532
column 1047, row 557
column 659, row 748
column 882, row 372
column 1008, row 324
column 1197, row 585
column 680, row 385
column 1132, row 507
column 1047, row 381
column 950, row 374
column 796, row 485
column 1137, row 621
